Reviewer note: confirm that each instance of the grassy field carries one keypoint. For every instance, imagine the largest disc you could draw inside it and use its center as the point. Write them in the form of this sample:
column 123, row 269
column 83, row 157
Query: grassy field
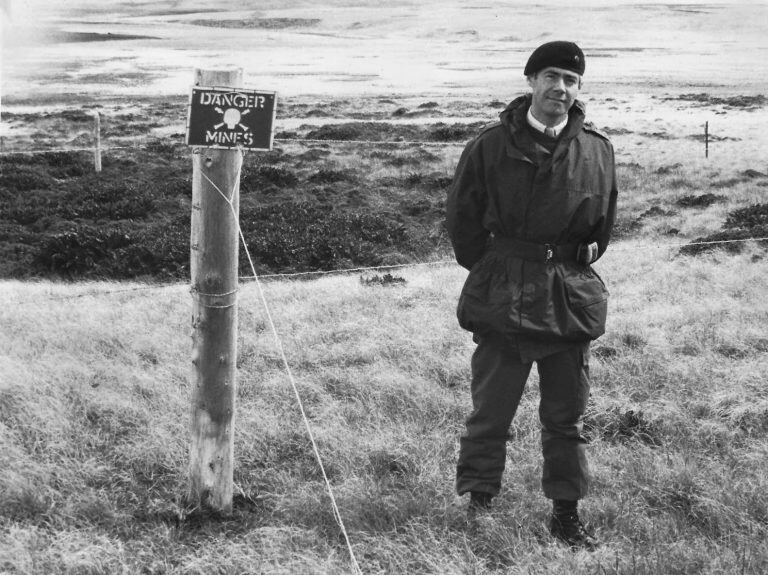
column 94, row 412
column 95, row 371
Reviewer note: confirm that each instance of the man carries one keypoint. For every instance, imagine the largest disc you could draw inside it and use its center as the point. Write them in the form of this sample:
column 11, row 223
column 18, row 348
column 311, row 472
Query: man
column 532, row 205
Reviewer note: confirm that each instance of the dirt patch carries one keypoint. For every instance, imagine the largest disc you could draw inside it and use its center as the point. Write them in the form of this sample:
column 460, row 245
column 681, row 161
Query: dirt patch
column 654, row 212
column 615, row 131
column 386, row 132
column 731, row 241
column 385, row 280
column 740, row 226
column 701, row 201
column 260, row 23
column 705, row 99
column 331, row 175
column 750, row 217
column 262, row 178
column 664, row 170
column 67, row 37
column 616, row 426
column 624, row 227
column 731, row 351
column 657, row 135
column 123, row 78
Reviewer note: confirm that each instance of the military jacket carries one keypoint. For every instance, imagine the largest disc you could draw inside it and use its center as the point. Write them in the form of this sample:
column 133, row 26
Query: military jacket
column 507, row 188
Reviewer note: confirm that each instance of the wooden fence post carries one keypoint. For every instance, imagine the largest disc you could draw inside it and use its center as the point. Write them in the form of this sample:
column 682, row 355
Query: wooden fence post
column 706, row 139
column 97, row 141
column 213, row 268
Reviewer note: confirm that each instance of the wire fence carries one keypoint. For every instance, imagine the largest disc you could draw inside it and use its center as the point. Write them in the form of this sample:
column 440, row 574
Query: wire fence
column 280, row 140
column 63, row 150
column 255, row 277
column 614, row 248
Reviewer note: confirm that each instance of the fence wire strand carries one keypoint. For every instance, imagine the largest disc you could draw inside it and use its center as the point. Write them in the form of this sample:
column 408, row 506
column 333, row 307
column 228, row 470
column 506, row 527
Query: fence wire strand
column 613, row 248
column 57, row 150
column 282, row 140
column 286, row 365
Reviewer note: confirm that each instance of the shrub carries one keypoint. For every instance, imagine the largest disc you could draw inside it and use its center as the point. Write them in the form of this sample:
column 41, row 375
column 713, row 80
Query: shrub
column 161, row 148
column 740, row 224
column 174, row 186
column 86, row 251
column 27, row 209
column 255, row 179
column 725, row 240
column 454, row 132
column 702, row 201
column 80, row 251
column 112, row 201
column 77, row 116
column 329, row 176
column 748, row 217
column 21, row 178
column 301, row 236
column 370, row 131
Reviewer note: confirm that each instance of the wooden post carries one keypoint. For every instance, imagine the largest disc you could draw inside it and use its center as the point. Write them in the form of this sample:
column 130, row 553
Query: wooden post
column 706, row 139
column 213, row 268
column 97, row 141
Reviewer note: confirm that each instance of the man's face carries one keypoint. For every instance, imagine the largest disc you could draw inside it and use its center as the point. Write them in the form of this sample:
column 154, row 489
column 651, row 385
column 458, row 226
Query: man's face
column 554, row 90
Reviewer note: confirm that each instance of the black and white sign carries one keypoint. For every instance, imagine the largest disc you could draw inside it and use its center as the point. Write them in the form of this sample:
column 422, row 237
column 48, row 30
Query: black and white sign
column 231, row 118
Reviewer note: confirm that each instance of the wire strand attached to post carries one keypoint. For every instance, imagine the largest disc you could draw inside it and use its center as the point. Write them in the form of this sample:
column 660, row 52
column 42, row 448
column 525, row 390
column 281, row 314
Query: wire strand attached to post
column 283, row 356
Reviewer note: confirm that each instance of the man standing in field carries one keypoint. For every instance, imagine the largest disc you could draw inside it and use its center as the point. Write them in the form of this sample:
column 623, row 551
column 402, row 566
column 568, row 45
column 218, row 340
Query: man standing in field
column 532, row 205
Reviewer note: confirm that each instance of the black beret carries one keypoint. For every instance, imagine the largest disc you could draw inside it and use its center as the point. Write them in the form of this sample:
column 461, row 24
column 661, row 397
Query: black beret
column 559, row 54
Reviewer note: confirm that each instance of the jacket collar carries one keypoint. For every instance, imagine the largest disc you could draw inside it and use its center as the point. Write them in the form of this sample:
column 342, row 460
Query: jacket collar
column 514, row 115
column 520, row 144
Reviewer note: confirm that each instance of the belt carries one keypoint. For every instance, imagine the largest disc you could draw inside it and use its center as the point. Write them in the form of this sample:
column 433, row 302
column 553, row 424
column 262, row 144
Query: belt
column 534, row 252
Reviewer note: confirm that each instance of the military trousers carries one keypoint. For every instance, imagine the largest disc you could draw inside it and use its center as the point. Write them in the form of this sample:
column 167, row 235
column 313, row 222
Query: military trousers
column 499, row 377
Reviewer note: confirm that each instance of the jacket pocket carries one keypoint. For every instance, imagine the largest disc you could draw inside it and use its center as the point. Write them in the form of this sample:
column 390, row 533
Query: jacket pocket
column 486, row 296
column 587, row 299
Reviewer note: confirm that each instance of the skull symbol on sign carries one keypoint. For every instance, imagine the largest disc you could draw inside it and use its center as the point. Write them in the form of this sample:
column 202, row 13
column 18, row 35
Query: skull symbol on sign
column 231, row 117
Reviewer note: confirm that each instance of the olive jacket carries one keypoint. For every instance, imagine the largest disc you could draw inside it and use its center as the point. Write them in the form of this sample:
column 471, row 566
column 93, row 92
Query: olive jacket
column 516, row 216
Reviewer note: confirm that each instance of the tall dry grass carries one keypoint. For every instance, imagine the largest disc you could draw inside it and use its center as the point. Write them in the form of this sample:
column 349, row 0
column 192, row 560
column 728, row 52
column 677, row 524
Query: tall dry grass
column 94, row 412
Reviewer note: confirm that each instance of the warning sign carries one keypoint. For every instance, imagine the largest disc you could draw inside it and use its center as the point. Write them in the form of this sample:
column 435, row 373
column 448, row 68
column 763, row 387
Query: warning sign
column 231, row 118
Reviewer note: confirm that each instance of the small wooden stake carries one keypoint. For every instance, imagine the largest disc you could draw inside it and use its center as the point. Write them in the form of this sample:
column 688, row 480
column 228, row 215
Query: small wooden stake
column 706, row 139
column 97, row 141
column 213, row 268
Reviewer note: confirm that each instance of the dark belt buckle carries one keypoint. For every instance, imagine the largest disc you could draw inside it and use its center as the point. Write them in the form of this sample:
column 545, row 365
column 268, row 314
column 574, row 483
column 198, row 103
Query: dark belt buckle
column 550, row 252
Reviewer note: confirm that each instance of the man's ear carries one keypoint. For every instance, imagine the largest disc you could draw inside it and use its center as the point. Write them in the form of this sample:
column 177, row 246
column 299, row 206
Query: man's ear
column 529, row 79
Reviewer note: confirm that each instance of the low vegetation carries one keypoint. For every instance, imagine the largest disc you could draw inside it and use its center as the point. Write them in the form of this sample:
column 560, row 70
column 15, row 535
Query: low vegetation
column 95, row 402
column 94, row 398
column 304, row 206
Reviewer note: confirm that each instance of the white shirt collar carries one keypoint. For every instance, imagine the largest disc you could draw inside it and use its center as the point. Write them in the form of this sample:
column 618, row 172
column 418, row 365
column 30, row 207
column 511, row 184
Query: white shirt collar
column 534, row 123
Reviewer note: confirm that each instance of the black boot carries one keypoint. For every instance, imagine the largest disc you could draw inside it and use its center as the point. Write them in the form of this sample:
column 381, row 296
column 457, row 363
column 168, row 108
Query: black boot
column 568, row 528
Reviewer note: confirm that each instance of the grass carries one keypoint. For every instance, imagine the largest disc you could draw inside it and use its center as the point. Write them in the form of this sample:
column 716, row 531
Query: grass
column 94, row 408
column 95, row 396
